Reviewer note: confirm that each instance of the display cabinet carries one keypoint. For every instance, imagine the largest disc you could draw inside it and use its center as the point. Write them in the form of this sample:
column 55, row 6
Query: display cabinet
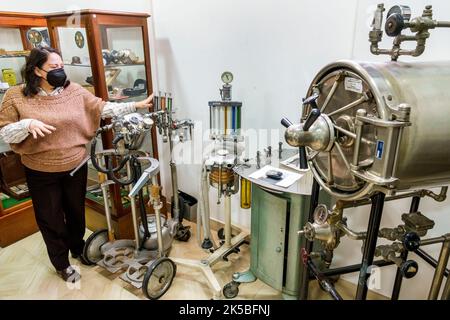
column 108, row 54
column 19, row 33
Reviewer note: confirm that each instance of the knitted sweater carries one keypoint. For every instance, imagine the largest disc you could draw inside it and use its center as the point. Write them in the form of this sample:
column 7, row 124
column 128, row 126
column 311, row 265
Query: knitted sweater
column 75, row 113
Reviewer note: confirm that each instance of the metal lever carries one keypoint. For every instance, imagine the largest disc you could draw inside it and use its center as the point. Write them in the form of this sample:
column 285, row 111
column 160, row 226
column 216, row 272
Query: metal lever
column 312, row 117
column 286, row 122
column 311, row 100
column 145, row 176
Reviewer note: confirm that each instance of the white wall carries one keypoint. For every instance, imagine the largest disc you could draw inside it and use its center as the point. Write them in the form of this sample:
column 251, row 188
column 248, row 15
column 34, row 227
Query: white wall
column 274, row 48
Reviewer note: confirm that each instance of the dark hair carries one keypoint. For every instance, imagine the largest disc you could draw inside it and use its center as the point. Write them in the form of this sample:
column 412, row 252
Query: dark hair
column 37, row 58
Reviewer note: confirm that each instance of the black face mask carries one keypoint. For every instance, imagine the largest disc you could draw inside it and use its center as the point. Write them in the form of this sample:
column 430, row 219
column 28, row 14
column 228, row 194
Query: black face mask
column 56, row 78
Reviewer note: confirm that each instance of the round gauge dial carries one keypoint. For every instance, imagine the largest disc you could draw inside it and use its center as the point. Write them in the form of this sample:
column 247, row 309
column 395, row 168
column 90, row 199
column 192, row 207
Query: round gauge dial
column 321, row 214
column 227, row 77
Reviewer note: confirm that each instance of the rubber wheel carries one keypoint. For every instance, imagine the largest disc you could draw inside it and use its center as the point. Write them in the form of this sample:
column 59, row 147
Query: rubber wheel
column 92, row 248
column 158, row 278
column 184, row 237
column 231, row 289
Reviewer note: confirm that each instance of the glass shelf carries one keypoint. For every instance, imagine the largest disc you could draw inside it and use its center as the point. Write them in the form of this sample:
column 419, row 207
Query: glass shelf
column 13, row 55
column 107, row 66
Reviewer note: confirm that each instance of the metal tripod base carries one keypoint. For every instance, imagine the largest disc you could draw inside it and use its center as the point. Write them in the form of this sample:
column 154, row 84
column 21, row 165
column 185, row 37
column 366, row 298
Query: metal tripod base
column 206, row 264
column 120, row 254
column 116, row 255
column 137, row 269
column 244, row 277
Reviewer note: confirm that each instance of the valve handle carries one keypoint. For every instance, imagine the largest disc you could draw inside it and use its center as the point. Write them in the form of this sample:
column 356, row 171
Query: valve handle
column 411, row 241
column 286, row 122
column 409, row 269
column 312, row 100
column 312, row 117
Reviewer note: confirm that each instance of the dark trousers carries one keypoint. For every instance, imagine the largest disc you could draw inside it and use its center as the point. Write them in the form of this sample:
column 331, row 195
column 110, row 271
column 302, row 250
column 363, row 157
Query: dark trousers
column 58, row 201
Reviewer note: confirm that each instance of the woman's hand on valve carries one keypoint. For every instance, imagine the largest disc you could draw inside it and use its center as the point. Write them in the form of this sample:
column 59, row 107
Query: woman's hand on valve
column 37, row 127
column 145, row 104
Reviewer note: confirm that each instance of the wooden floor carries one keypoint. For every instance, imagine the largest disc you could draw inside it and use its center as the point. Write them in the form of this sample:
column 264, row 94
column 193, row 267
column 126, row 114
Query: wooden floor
column 26, row 273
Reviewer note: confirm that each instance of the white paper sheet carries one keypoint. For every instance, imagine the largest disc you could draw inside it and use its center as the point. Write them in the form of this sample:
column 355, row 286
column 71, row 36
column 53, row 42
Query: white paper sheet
column 288, row 179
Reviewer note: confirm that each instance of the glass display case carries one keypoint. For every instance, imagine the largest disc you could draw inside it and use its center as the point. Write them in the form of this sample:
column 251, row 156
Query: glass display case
column 19, row 33
column 108, row 54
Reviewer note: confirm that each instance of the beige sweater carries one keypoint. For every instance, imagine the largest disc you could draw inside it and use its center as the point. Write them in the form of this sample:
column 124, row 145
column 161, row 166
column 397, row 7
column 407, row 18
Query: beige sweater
column 75, row 113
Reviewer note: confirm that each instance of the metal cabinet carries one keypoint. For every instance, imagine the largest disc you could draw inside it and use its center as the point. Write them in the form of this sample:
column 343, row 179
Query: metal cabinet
column 275, row 244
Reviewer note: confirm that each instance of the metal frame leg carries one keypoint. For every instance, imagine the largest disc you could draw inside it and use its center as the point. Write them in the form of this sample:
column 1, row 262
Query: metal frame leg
column 398, row 276
column 304, row 278
column 439, row 272
column 370, row 244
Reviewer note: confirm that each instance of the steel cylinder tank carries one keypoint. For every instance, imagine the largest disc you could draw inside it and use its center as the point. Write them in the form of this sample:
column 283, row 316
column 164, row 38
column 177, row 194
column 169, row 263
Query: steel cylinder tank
column 382, row 127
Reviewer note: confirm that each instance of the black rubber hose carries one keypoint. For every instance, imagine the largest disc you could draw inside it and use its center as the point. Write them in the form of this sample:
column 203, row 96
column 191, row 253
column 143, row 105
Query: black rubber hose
column 97, row 165
column 137, row 169
column 112, row 176
column 93, row 156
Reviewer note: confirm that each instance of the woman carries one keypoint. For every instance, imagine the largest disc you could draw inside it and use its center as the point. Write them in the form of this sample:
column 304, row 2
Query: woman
column 49, row 121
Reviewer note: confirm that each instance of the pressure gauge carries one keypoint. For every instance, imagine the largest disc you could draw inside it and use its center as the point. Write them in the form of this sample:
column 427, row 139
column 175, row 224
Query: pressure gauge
column 321, row 214
column 404, row 11
column 227, row 77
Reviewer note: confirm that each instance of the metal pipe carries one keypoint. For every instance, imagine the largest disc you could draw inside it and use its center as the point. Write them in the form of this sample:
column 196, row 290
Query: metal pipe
column 370, row 243
column 350, row 233
column 326, row 284
column 354, row 268
column 304, row 278
column 227, row 204
column 439, row 272
column 427, row 242
column 173, row 175
column 157, row 206
column 446, row 292
column 404, row 255
column 430, row 260
column 420, row 193
column 104, row 186
column 443, row 24
column 133, row 210
column 205, row 201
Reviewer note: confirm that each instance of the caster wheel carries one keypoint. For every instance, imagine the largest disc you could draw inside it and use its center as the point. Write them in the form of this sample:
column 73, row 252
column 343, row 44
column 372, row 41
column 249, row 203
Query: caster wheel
column 92, row 248
column 183, row 234
column 231, row 289
column 158, row 278
column 185, row 237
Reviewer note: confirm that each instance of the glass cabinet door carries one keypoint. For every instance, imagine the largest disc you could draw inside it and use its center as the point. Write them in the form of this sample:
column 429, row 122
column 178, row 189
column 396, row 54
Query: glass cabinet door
column 74, row 49
column 13, row 58
column 124, row 63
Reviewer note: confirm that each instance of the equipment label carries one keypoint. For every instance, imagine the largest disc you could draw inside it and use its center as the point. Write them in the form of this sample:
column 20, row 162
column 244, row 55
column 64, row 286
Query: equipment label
column 380, row 147
column 352, row 84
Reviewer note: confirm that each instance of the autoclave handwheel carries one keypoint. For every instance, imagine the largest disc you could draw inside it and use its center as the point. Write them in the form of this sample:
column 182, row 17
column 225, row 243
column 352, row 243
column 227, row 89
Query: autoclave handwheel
column 92, row 248
column 158, row 278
